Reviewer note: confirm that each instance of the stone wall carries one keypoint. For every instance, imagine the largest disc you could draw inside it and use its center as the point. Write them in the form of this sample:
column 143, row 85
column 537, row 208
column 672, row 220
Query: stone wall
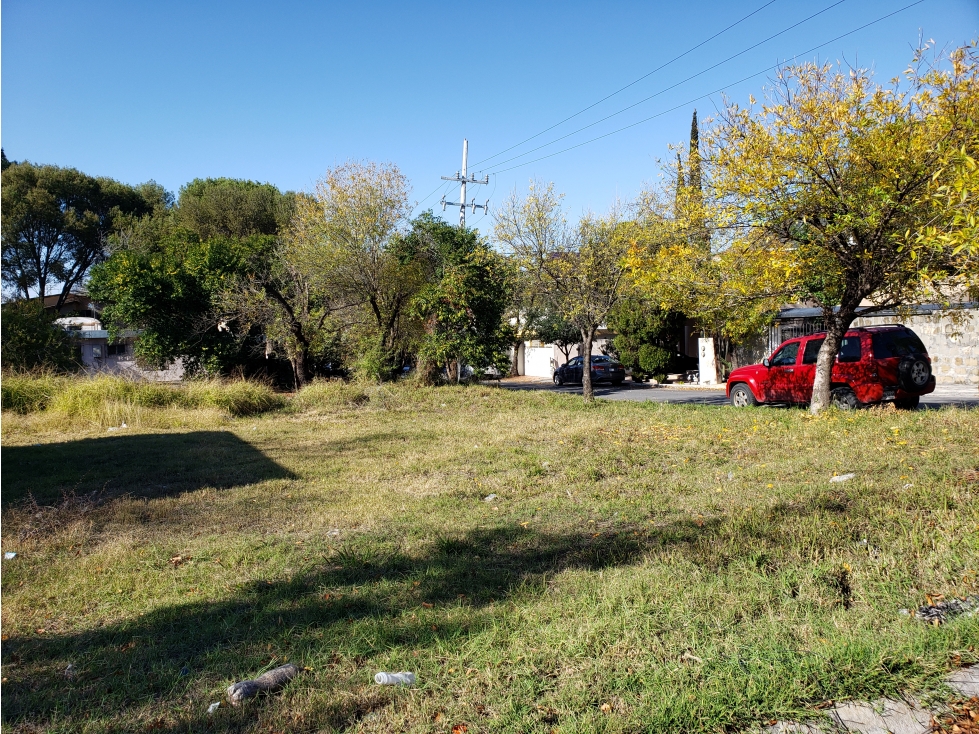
column 952, row 342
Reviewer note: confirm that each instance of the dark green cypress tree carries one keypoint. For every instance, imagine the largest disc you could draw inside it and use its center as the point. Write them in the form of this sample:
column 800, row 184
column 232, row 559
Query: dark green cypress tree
column 693, row 180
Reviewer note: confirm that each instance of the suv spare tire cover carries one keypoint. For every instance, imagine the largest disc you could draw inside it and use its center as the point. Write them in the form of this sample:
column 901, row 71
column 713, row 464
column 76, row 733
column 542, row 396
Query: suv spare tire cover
column 913, row 373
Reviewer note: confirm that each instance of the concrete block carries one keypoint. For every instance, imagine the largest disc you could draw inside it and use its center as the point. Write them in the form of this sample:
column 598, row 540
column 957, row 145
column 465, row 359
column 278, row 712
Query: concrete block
column 882, row 717
column 965, row 681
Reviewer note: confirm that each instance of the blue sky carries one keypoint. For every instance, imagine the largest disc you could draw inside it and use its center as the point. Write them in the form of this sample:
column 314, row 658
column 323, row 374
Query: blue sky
column 279, row 92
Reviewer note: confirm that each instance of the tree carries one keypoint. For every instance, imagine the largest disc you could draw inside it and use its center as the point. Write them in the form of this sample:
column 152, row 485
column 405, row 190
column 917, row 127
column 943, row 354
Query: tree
column 846, row 177
column 579, row 268
column 227, row 207
column 354, row 229
column 171, row 273
column 31, row 339
column 553, row 328
column 525, row 313
column 57, row 223
column 171, row 294
column 462, row 306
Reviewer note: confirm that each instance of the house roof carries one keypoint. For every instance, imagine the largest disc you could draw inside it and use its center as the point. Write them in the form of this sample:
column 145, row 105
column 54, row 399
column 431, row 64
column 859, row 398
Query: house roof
column 925, row 308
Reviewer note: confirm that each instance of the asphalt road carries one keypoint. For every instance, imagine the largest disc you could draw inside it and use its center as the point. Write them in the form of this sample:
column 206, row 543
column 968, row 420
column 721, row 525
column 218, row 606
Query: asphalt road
column 961, row 395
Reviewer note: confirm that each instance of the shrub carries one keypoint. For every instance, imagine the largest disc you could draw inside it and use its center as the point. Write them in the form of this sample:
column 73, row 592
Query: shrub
column 31, row 339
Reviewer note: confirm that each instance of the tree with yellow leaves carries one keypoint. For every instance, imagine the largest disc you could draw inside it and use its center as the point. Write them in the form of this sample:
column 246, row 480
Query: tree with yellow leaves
column 841, row 192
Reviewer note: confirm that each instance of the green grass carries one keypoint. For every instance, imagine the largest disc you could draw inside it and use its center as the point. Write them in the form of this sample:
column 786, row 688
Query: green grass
column 645, row 567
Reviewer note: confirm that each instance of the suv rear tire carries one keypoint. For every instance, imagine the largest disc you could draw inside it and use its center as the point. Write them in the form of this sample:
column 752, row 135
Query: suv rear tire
column 913, row 373
column 843, row 398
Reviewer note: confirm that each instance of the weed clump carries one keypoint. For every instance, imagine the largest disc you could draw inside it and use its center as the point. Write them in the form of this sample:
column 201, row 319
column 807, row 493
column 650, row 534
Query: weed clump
column 330, row 395
column 113, row 399
column 30, row 392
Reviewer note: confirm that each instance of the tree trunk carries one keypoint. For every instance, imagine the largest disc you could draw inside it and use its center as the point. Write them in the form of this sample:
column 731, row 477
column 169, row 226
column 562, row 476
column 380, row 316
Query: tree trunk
column 515, row 360
column 587, row 391
column 300, row 368
column 836, row 326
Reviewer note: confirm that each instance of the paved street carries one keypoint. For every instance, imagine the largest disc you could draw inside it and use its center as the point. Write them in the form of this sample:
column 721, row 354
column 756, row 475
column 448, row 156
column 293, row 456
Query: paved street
column 963, row 395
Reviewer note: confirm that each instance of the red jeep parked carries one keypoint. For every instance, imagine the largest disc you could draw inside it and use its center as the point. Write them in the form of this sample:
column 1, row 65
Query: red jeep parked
column 875, row 363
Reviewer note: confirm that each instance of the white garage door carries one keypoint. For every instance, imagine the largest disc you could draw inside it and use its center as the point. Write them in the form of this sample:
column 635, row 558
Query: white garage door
column 537, row 361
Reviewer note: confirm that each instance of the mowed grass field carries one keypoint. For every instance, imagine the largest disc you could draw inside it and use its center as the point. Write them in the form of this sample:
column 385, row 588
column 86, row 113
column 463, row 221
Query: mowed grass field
column 644, row 567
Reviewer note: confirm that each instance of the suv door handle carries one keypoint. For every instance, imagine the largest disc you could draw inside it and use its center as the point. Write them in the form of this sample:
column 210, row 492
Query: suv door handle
column 790, row 369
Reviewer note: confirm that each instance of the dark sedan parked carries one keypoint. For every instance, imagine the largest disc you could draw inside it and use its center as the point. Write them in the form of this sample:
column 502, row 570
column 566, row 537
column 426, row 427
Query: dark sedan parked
column 602, row 368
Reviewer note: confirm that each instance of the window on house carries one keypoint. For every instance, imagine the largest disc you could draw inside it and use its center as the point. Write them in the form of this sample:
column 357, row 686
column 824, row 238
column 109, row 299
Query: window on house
column 118, row 349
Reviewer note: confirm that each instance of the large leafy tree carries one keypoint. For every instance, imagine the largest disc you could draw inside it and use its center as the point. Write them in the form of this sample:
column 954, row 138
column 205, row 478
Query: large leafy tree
column 646, row 336
column 463, row 304
column 843, row 173
column 354, row 226
column 170, row 273
column 57, row 223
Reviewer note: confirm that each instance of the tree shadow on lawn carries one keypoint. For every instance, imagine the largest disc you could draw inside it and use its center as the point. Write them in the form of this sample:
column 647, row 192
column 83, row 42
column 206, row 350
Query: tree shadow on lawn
column 146, row 465
column 357, row 604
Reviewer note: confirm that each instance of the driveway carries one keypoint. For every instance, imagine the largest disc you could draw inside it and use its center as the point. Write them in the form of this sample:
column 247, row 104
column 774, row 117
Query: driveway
column 961, row 395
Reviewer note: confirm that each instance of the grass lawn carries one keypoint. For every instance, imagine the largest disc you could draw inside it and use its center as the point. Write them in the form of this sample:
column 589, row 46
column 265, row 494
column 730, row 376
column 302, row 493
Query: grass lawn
column 645, row 567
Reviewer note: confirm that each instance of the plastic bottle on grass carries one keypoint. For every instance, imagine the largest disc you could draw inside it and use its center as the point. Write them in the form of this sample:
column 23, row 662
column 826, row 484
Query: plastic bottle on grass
column 395, row 679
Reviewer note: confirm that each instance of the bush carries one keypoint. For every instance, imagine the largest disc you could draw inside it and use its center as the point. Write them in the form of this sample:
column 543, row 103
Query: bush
column 31, row 339
column 652, row 359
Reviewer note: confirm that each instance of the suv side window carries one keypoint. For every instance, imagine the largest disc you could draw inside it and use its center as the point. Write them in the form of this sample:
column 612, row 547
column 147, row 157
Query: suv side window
column 812, row 351
column 850, row 349
column 786, row 355
column 896, row 344
column 576, row 362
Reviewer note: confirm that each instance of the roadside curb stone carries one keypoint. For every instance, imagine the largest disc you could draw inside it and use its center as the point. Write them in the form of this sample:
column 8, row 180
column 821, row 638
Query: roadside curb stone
column 965, row 681
column 884, row 716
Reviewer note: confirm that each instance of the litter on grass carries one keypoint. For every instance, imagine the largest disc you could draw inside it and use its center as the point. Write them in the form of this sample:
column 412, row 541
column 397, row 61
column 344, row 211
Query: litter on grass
column 841, row 478
column 213, row 707
column 395, row 679
column 489, row 498
column 265, row 683
column 9, row 555
column 939, row 610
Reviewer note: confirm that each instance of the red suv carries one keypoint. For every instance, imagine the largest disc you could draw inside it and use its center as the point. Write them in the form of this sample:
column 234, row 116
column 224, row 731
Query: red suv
column 875, row 363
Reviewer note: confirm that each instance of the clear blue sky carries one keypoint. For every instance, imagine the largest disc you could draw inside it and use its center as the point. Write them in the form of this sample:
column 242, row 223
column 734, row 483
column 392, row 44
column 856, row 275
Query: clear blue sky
column 279, row 92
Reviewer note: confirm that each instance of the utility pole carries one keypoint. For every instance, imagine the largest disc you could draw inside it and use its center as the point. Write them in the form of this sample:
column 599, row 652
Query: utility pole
column 463, row 180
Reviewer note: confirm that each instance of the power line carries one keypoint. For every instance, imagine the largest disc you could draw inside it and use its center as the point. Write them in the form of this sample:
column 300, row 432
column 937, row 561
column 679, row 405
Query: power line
column 632, row 83
column 708, row 94
column 672, row 86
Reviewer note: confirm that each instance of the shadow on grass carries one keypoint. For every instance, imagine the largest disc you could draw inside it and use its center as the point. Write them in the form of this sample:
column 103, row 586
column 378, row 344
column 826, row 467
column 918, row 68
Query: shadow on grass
column 146, row 465
column 356, row 603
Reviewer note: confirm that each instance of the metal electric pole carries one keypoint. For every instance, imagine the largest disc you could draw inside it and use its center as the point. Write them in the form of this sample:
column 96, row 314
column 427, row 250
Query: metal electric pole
column 463, row 180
